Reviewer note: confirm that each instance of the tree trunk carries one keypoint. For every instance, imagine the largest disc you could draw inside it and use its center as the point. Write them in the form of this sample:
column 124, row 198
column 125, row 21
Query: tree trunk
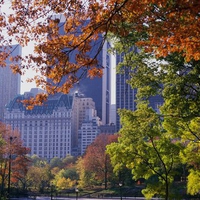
column 105, row 174
column 105, row 179
column 166, row 189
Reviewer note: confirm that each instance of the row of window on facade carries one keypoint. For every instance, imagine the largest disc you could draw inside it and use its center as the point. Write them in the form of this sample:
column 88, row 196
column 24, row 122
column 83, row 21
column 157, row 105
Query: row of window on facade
column 21, row 115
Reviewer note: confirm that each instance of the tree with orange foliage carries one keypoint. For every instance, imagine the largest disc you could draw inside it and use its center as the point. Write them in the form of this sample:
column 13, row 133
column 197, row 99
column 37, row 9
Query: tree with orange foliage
column 14, row 161
column 169, row 26
column 97, row 161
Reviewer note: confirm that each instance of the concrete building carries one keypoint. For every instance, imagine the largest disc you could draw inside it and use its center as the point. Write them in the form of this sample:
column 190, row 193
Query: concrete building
column 88, row 131
column 113, row 114
column 46, row 129
column 83, row 109
column 107, row 129
column 63, row 125
column 9, row 82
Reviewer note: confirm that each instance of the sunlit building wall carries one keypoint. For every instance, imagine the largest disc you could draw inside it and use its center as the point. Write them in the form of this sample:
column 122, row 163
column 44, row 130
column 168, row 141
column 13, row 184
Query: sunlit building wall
column 80, row 105
column 88, row 132
column 46, row 129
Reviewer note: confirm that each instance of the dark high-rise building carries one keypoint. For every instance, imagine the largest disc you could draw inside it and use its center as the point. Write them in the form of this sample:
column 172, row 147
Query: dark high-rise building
column 90, row 88
column 125, row 95
column 9, row 82
column 155, row 102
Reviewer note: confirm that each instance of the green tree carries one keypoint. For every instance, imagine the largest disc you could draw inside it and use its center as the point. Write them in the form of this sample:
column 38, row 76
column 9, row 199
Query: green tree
column 177, row 82
column 70, row 173
column 86, row 177
column 193, row 182
column 64, row 172
column 39, row 174
column 147, row 149
column 69, row 160
column 65, row 179
column 39, row 178
column 56, row 162
column 37, row 161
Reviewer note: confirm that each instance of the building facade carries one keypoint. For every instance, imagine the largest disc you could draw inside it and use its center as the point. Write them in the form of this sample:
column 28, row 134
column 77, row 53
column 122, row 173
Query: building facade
column 88, row 131
column 63, row 125
column 106, row 84
column 45, row 129
column 83, row 110
column 125, row 95
column 9, row 82
column 107, row 129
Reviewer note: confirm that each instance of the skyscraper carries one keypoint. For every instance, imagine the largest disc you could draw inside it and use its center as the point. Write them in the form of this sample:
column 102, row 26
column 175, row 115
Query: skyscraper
column 106, row 84
column 9, row 82
column 125, row 95
column 90, row 88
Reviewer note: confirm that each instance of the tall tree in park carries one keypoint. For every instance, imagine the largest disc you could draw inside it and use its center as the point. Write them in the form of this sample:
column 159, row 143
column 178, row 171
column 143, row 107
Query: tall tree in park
column 147, row 149
column 66, row 179
column 86, row 178
column 14, row 162
column 39, row 174
column 181, row 93
column 96, row 161
column 177, row 82
column 39, row 177
column 64, row 172
column 167, row 26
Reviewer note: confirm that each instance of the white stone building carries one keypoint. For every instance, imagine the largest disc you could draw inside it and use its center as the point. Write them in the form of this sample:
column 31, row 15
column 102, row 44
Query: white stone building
column 46, row 129
column 79, row 115
column 88, row 130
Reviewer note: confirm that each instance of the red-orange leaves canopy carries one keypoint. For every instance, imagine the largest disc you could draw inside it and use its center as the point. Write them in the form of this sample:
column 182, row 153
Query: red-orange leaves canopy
column 170, row 26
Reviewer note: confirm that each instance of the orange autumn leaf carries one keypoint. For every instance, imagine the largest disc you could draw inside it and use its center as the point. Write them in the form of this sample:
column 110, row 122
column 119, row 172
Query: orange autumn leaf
column 170, row 26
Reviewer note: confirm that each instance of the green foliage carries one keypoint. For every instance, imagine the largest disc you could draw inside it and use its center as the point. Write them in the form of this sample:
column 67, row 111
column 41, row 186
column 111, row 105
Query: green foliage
column 38, row 162
column 70, row 173
column 55, row 162
column 153, row 187
column 193, row 184
column 39, row 177
column 68, row 160
column 176, row 128
column 145, row 148
column 86, row 177
column 65, row 179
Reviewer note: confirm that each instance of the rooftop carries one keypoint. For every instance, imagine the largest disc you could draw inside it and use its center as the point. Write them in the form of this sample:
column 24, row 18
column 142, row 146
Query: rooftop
column 53, row 103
